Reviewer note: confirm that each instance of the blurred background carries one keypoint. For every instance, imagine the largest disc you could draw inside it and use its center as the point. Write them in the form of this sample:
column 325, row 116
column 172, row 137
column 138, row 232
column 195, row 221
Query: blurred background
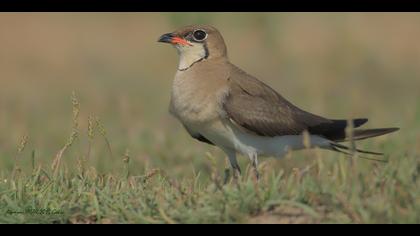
column 338, row 65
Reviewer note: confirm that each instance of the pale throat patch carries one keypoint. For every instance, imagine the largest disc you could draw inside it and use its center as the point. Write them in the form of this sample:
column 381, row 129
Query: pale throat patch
column 188, row 55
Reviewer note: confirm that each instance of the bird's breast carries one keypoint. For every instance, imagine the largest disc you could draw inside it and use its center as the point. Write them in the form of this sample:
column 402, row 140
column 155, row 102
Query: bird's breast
column 192, row 104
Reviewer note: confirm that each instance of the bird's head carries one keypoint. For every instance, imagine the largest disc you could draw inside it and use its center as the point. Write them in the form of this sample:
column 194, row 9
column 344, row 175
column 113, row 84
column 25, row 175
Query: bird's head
column 195, row 43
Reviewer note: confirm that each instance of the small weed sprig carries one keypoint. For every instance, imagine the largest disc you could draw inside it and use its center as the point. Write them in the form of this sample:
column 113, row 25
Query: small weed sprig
column 73, row 136
column 22, row 144
column 103, row 132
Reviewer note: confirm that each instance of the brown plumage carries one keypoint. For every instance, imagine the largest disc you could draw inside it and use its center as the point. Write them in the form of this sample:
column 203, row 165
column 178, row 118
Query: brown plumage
column 258, row 108
column 220, row 104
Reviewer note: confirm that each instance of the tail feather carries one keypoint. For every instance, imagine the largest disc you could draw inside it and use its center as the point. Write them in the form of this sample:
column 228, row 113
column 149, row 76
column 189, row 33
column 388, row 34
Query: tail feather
column 335, row 130
column 336, row 145
column 349, row 154
column 366, row 133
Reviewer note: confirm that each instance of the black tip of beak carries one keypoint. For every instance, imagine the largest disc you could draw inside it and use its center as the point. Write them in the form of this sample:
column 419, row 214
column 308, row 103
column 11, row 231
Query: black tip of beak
column 166, row 38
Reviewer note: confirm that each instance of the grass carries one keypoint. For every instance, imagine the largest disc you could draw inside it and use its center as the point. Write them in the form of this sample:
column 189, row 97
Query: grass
column 327, row 191
column 110, row 153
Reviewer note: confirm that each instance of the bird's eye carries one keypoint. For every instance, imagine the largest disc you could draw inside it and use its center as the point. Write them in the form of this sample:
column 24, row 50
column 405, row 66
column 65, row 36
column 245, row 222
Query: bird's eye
column 200, row 35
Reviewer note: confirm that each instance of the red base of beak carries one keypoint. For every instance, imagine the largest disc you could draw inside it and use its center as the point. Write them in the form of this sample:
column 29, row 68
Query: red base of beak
column 181, row 41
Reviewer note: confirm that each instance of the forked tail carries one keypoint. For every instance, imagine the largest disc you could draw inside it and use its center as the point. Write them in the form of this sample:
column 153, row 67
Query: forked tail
column 359, row 135
column 335, row 132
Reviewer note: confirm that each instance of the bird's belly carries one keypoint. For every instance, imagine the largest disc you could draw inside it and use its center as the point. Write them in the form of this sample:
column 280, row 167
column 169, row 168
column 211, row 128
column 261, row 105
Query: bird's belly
column 248, row 144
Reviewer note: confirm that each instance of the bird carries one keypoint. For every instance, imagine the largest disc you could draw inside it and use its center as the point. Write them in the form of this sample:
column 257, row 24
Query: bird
column 222, row 105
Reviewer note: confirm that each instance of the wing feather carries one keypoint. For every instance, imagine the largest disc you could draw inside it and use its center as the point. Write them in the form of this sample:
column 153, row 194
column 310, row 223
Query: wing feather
column 259, row 109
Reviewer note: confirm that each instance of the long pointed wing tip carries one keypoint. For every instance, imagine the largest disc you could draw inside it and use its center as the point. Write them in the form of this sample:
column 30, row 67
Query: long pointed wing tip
column 394, row 129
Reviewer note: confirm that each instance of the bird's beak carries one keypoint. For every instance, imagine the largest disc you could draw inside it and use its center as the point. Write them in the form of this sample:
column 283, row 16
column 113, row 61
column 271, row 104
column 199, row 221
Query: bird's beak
column 173, row 39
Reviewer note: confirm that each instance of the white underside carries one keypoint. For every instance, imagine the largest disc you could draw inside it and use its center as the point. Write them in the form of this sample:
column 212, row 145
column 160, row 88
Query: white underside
column 250, row 145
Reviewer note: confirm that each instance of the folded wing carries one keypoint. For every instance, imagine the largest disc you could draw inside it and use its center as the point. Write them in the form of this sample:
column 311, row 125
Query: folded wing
column 259, row 109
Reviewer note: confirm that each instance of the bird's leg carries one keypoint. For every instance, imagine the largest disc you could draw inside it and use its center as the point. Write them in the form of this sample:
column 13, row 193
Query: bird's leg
column 227, row 173
column 254, row 163
column 233, row 164
column 235, row 167
column 236, row 172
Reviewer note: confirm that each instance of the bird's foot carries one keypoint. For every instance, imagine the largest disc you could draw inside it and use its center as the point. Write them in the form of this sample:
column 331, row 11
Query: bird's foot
column 227, row 176
column 256, row 174
column 233, row 174
column 254, row 161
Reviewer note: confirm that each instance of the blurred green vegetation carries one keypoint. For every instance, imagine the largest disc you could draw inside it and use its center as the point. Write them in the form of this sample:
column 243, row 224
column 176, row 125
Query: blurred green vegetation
column 338, row 65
